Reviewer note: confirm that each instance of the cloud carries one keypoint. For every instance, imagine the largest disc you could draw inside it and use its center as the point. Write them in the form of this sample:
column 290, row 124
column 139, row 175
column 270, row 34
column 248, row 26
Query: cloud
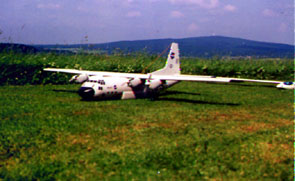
column 176, row 14
column 269, row 13
column 192, row 27
column 207, row 4
column 133, row 14
column 48, row 6
column 230, row 8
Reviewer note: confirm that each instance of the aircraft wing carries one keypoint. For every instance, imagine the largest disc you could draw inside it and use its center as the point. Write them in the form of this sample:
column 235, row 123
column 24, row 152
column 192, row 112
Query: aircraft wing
column 98, row 73
column 120, row 74
column 257, row 81
column 194, row 78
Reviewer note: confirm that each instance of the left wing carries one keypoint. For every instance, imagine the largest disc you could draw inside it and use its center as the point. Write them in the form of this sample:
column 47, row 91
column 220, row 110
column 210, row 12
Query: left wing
column 211, row 79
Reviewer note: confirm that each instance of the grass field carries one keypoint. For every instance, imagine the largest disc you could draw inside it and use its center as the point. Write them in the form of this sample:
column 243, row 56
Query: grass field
column 193, row 131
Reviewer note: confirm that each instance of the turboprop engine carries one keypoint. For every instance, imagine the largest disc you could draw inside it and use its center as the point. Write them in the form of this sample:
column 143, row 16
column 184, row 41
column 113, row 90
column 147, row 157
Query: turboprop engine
column 154, row 84
column 134, row 82
column 79, row 78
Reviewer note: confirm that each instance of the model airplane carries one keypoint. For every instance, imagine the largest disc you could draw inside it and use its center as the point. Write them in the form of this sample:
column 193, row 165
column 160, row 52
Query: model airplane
column 103, row 85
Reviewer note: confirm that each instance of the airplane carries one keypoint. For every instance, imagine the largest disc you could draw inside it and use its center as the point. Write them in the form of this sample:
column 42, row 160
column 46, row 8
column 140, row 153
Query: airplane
column 105, row 85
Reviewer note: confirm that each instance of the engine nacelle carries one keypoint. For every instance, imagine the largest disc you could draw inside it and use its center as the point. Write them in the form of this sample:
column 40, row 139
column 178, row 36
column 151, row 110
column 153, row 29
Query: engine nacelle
column 134, row 82
column 79, row 78
column 154, row 84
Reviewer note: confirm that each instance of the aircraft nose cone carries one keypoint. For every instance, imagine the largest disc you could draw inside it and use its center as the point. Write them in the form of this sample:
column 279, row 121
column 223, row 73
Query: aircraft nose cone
column 86, row 92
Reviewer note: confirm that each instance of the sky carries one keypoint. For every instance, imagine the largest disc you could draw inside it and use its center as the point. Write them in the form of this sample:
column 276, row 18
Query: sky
column 100, row 21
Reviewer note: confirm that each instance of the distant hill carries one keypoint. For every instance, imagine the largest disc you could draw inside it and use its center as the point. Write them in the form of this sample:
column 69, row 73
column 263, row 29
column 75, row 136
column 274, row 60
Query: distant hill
column 190, row 47
column 19, row 48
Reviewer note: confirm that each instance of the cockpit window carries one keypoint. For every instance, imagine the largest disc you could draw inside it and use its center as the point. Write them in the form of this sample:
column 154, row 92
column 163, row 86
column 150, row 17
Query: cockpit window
column 101, row 82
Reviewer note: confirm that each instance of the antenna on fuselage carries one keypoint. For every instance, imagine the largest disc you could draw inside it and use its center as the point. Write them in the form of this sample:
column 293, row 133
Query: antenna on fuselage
column 143, row 71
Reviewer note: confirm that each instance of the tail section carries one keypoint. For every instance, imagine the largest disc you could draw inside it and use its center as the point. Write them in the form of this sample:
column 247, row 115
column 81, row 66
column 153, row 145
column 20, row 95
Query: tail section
column 172, row 66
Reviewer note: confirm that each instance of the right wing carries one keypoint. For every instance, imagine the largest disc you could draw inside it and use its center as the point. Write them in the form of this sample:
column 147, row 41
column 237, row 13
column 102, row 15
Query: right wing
column 98, row 73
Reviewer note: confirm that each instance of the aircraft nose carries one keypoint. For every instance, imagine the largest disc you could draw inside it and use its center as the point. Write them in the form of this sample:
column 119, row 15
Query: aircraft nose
column 86, row 92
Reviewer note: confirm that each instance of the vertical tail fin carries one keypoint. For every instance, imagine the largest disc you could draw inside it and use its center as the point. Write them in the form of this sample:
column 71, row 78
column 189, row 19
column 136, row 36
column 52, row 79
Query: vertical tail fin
column 172, row 66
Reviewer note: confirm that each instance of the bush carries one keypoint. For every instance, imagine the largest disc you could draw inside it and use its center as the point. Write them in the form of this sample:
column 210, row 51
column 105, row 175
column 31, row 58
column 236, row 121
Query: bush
column 20, row 69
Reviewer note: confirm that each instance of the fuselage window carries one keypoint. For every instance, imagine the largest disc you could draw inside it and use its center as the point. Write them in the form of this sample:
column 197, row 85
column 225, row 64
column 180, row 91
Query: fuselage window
column 102, row 82
column 100, row 88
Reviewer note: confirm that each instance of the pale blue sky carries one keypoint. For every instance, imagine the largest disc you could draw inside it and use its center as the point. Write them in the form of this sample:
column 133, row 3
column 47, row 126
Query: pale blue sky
column 69, row 21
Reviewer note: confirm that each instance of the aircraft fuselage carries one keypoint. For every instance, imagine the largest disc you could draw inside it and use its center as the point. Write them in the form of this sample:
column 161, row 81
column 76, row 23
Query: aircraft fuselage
column 123, row 88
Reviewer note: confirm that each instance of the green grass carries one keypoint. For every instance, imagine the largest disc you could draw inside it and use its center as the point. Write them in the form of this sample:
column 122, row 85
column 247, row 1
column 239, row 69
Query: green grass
column 194, row 131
